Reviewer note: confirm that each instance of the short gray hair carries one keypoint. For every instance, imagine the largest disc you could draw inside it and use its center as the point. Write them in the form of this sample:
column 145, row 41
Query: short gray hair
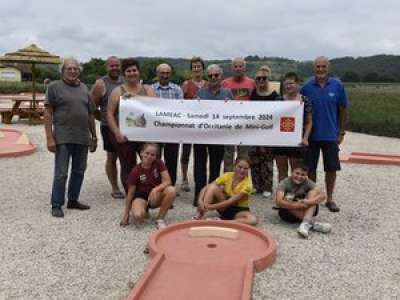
column 69, row 59
column 163, row 65
column 215, row 66
column 323, row 58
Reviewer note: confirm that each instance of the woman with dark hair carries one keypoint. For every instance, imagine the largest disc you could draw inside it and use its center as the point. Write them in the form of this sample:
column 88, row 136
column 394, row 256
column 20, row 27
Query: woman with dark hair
column 294, row 156
column 190, row 88
column 132, row 86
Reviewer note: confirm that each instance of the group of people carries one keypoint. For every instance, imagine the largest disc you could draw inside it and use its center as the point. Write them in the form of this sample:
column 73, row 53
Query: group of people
column 70, row 130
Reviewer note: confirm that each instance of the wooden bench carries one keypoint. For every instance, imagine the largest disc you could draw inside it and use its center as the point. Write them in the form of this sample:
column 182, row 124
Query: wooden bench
column 22, row 107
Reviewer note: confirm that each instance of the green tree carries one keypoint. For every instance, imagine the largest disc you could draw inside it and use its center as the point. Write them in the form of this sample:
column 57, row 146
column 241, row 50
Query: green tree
column 43, row 72
column 351, row 76
column 93, row 69
column 371, row 77
column 148, row 69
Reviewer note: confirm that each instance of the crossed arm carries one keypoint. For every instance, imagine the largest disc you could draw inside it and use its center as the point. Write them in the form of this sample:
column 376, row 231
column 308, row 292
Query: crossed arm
column 215, row 199
column 314, row 197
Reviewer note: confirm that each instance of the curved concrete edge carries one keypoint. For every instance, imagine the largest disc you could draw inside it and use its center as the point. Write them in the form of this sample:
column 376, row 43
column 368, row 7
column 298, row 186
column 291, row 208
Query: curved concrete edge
column 140, row 287
column 248, row 283
column 371, row 158
column 260, row 263
column 18, row 152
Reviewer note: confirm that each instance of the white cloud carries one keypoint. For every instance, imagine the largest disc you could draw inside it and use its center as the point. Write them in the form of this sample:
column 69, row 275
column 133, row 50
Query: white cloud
column 212, row 29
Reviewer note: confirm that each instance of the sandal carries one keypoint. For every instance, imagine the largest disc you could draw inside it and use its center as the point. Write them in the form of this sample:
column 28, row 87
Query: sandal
column 117, row 195
column 332, row 206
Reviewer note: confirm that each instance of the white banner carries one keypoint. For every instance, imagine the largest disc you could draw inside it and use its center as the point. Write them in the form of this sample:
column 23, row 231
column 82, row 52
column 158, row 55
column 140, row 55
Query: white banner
column 268, row 123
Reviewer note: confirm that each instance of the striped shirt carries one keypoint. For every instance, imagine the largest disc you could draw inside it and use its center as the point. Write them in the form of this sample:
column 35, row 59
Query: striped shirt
column 170, row 91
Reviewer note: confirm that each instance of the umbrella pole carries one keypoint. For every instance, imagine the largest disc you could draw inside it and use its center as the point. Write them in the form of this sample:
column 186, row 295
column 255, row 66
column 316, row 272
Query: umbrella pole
column 34, row 87
column 33, row 102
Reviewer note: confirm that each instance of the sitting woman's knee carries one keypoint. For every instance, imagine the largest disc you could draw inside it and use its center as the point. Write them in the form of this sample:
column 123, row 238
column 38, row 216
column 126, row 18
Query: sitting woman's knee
column 170, row 191
column 137, row 214
column 252, row 220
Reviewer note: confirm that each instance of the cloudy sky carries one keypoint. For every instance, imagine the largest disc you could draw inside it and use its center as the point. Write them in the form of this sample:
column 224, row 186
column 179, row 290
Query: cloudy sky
column 212, row 29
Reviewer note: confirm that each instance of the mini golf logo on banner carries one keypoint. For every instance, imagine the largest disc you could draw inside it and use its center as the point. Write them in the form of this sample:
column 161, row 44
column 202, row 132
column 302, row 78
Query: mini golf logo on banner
column 288, row 124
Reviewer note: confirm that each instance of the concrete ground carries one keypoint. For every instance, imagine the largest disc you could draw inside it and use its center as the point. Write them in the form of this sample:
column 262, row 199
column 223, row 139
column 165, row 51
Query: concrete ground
column 87, row 255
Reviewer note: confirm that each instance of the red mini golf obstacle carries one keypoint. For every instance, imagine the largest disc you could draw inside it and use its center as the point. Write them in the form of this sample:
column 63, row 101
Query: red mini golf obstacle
column 14, row 143
column 200, row 260
column 371, row 158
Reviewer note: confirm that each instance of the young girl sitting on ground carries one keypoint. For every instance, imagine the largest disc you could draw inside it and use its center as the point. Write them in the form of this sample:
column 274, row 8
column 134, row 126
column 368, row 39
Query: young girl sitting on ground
column 149, row 186
column 229, row 195
column 298, row 198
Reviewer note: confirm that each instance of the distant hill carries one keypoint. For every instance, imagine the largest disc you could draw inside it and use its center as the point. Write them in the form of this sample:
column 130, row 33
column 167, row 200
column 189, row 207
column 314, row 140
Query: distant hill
column 378, row 68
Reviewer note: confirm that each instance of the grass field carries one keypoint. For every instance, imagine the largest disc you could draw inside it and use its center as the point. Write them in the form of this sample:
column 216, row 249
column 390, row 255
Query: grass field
column 375, row 109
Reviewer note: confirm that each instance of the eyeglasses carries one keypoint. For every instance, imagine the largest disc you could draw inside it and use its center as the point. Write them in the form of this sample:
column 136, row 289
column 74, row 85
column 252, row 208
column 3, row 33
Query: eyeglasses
column 71, row 69
column 259, row 78
column 216, row 75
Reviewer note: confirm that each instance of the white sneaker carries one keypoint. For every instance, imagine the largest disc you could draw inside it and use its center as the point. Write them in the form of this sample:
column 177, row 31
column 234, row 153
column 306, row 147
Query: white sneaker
column 321, row 227
column 267, row 194
column 160, row 223
column 216, row 218
column 304, row 228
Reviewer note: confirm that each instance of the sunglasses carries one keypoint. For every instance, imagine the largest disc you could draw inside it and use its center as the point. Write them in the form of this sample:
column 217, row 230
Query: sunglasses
column 259, row 78
column 216, row 75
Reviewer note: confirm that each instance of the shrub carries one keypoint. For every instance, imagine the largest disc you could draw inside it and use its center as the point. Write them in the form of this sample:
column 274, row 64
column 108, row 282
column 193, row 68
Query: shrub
column 19, row 87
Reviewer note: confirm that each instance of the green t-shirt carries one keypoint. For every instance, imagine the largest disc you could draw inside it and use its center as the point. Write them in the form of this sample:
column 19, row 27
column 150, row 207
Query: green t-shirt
column 296, row 191
column 71, row 108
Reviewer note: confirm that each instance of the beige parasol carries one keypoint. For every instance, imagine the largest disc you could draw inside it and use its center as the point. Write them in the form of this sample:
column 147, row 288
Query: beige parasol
column 31, row 55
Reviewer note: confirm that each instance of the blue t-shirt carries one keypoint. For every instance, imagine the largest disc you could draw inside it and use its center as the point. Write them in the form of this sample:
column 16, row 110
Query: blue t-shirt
column 221, row 94
column 325, row 107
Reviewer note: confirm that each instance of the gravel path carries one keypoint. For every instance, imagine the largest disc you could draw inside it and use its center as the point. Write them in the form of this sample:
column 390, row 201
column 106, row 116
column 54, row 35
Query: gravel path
column 87, row 255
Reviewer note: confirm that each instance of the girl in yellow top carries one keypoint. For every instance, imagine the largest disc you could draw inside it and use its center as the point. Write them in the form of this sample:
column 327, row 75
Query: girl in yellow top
column 229, row 194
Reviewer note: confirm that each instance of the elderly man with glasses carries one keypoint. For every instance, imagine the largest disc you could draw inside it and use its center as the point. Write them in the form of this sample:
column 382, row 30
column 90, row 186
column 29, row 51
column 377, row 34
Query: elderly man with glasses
column 70, row 130
column 214, row 153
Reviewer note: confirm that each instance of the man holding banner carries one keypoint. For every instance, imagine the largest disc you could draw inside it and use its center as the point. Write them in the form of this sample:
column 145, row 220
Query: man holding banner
column 241, row 87
column 215, row 153
column 168, row 90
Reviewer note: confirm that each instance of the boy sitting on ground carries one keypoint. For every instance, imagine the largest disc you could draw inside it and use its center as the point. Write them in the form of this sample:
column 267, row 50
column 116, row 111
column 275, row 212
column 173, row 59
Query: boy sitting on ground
column 298, row 200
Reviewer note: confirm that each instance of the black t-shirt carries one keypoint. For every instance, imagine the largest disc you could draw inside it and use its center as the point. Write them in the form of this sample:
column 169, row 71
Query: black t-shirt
column 271, row 97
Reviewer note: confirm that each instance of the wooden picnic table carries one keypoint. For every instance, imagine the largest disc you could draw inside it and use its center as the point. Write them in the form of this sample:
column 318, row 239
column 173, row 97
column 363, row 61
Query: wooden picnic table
column 21, row 105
